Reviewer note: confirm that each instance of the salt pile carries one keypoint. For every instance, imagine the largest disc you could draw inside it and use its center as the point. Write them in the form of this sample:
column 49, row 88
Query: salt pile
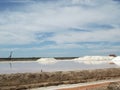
column 47, row 60
column 94, row 59
column 116, row 60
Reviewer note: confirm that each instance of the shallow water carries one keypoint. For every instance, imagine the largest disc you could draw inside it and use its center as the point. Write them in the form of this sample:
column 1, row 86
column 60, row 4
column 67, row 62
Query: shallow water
column 60, row 65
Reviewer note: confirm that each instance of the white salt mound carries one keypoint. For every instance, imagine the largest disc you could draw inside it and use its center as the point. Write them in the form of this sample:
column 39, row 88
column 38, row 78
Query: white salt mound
column 116, row 60
column 95, row 58
column 47, row 60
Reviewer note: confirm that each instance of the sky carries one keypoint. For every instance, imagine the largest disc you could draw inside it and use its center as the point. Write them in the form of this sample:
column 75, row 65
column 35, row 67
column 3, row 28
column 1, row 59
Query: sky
column 59, row 28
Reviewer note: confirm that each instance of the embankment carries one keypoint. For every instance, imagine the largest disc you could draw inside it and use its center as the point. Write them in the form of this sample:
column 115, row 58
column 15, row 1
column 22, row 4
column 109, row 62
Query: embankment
column 31, row 80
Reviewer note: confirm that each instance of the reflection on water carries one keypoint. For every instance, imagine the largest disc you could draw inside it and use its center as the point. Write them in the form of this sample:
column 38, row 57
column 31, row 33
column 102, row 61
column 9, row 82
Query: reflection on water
column 10, row 65
column 47, row 61
column 60, row 65
column 91, row 62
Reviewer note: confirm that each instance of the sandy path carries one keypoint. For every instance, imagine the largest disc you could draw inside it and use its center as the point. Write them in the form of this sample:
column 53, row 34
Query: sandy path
column 80, row 86
column 87, row 86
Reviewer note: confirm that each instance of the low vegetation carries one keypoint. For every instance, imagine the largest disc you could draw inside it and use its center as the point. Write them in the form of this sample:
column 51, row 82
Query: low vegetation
column 30, row 80
column 114, row 86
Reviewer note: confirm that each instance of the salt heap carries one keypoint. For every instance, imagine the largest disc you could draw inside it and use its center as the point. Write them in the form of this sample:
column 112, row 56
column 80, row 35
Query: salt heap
column 116, row 60
column 95, row 58
column 47, row 60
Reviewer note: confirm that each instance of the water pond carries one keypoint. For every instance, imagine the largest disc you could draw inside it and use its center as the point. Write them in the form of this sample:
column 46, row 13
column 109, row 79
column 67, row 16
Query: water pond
column 50, row 66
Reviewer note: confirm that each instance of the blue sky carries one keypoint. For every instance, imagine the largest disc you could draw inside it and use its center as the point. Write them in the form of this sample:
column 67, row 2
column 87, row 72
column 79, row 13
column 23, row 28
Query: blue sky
column 55, row 28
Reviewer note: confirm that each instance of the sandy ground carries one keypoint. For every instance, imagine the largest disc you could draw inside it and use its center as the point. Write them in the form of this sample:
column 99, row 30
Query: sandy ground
column 80, row 86
column 87, row 87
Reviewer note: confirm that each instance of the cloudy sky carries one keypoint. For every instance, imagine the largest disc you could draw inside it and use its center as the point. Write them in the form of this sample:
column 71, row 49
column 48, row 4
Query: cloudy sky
column 49, row 28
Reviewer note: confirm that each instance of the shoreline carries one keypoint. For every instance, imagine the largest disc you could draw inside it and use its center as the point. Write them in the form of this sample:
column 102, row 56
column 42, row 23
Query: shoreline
column 34, row 58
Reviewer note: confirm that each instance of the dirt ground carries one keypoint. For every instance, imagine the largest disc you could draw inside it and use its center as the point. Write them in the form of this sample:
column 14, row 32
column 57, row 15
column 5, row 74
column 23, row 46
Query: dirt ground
column 91, row 87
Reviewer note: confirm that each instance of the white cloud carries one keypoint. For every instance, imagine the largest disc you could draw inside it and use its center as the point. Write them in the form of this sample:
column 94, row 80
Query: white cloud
column 21, row 26
column 112, row 35
column 17, row 1
column 16, row 38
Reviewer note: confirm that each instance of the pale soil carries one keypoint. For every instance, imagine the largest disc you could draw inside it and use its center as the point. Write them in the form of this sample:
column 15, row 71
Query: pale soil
column 81, row 86
column 89, row 87
column 92, row 86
